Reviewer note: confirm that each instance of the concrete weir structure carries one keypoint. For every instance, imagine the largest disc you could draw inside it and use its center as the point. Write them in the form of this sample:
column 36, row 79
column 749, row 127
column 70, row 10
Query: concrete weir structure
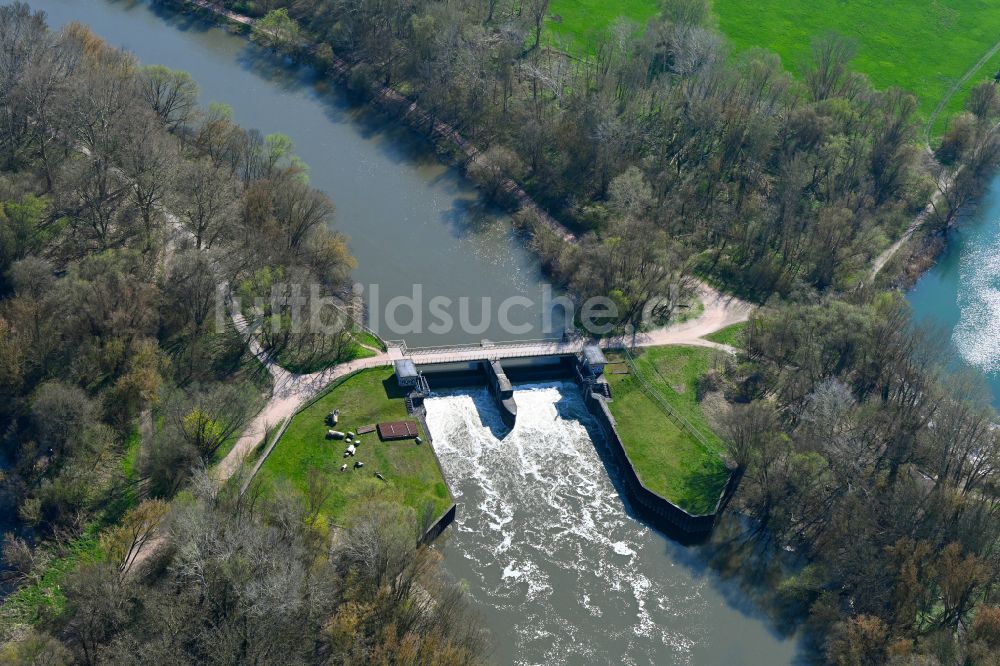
column 502, row 390
column 581, row 363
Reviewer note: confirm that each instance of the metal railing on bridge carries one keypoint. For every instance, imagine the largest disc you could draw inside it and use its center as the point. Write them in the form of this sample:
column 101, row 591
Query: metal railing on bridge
column 543, row 346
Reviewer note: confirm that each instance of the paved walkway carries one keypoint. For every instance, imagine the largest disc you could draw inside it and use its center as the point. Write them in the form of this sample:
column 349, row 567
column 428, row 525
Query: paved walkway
column 291, row 390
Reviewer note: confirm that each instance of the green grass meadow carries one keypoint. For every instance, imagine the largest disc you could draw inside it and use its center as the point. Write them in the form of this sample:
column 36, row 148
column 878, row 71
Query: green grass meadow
column 578, row 24
column 669, row 460
column 923, row 46
column 412, row 475
column 731, row 335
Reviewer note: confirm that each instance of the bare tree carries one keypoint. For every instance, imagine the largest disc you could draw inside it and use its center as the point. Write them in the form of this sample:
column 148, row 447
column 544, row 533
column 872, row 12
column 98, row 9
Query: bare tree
column 828, row 72
column 207, row 199
column 150, row 160
column 171, row 94
column 537, row 10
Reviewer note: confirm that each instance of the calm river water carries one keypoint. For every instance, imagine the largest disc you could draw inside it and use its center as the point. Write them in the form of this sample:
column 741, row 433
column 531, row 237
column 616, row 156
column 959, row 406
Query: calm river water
column 961, row 293
column 552, row 558
column 411, row 221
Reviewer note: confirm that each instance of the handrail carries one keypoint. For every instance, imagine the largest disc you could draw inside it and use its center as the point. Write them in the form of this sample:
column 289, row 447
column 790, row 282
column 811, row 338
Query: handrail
column 480, row 346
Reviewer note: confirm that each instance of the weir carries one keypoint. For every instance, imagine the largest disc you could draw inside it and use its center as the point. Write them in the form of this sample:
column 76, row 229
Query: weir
column 578, row 362
column 502, row 391
column 551, row 553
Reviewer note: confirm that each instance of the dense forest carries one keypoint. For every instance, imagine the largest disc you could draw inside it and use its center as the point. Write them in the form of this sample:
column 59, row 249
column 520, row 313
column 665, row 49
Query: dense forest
column 123, row 206
column 860, row 452
column 865, row 457
column 869, row 466
column 759, row 180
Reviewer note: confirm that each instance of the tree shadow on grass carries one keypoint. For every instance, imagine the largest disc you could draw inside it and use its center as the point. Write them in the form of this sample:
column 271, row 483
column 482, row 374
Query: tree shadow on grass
column 707, row 483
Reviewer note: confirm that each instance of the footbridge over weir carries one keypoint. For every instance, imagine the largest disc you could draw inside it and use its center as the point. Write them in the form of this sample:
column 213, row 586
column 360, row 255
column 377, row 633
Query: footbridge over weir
column 490, row 362
column 486, row 350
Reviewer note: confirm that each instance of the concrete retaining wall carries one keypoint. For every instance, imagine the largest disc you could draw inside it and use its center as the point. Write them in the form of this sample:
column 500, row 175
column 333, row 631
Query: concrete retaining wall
column 446, row 519
column 650, row 505
column 435, row 530
column 502, row 391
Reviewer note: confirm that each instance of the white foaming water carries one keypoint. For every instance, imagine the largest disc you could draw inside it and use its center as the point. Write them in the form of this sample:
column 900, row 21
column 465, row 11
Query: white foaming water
column 977, row 333
column 561, row 572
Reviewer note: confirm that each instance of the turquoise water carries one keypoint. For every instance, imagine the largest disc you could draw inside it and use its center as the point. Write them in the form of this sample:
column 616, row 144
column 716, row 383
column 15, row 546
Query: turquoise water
column 961, row 293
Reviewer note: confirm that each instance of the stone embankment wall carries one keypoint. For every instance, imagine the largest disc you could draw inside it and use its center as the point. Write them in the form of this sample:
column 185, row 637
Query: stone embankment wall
column 648, row 504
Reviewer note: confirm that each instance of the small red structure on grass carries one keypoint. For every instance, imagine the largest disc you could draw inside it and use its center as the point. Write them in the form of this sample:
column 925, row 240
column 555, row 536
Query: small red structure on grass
column 397, row 430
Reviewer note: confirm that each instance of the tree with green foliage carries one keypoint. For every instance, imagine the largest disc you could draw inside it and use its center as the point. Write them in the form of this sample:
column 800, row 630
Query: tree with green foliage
column 171, row 94
column 277, row 30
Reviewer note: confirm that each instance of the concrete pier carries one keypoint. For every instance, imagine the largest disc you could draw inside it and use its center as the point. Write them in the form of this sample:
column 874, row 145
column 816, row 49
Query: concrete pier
column 502, row 390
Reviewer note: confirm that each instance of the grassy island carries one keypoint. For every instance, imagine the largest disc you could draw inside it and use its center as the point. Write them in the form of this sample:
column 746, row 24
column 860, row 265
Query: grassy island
column 669, row 459
column 412, row 475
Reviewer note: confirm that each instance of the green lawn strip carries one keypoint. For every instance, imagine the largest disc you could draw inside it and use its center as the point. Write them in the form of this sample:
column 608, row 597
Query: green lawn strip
column 412, row 474
column 132, row 445
column 43, row 600
column 307, row 363
column 674, row 371
column 669, row 460
column 365, row 338
column 580, row 24
column 922, row 46
column 731, row 335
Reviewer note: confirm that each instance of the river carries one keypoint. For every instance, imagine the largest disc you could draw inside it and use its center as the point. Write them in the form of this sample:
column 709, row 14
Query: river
column 410, row 220
column 570, row 577
column 544, row 541
column 961, row 292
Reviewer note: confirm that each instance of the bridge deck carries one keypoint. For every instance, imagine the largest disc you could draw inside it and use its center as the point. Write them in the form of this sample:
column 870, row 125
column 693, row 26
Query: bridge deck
column 495, row 352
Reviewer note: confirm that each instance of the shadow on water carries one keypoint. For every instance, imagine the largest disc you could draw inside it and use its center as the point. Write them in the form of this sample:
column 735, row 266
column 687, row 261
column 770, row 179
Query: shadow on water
column 741, row 570
column 184, row 21
column 488, row 413
column 399, row 143
column 471, row 213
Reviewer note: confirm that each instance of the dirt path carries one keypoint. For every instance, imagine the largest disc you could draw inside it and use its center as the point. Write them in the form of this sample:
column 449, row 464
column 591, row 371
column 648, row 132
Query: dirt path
column 891, row 251
column 720, row 311
column 290, row 392
column 929, row 127
column 882, row 259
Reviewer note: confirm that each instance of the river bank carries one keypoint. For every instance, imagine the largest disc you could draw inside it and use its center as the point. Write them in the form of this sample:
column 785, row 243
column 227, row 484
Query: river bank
column 448, row 141
column 347, row 151
column 412, row 222
column 911, row 255
column 959, row 293
column 922, row 258
column 559, row 565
